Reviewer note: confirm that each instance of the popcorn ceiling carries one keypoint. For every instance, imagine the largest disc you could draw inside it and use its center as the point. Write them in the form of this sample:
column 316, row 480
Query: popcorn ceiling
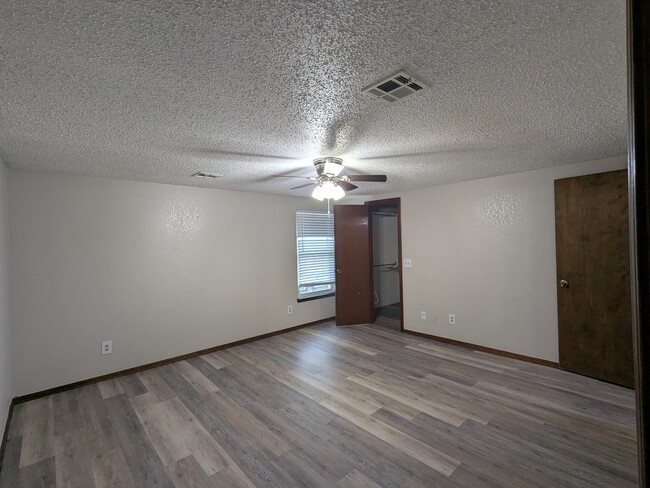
column 156, row 91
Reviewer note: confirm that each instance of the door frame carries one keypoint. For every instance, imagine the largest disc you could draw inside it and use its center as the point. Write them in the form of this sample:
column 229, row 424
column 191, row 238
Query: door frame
column 638, row 109
column 370, row 204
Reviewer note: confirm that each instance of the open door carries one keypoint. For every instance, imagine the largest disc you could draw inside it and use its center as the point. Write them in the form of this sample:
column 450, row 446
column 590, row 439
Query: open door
column 354, row 303
column 593, row 272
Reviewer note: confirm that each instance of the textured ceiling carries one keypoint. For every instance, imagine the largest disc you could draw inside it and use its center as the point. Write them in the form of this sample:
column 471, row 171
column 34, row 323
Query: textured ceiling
column 154, row 90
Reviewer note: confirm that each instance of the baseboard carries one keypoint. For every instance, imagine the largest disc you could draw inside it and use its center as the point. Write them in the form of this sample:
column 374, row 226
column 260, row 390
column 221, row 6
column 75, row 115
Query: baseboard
column 163, row 362
column 477, row 347
column 5, row 435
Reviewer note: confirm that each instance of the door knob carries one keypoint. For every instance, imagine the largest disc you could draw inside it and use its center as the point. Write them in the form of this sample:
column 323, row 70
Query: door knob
column 564, row 284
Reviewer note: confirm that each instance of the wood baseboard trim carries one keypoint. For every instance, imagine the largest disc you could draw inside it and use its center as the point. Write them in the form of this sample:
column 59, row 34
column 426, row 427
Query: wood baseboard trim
column 5, row 435
column 477, row 347
column 163, row 362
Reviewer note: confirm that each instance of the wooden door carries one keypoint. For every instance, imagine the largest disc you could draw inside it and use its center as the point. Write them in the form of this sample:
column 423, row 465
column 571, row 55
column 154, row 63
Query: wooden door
column 593, row 273
column 352, row 257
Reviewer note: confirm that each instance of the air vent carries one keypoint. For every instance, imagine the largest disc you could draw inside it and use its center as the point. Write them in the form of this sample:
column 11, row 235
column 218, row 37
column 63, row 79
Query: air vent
column 202, row 174
column 395, row 87
column 388, row 86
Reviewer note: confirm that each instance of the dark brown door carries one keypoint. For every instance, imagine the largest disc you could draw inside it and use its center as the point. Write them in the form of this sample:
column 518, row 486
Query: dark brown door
column 352, row 257
column 593, row 272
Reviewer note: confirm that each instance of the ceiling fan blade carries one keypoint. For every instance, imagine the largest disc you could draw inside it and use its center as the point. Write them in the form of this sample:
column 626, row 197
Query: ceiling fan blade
column 379, row 178
column 294, row 176
column 347, row 186
column 302, row 186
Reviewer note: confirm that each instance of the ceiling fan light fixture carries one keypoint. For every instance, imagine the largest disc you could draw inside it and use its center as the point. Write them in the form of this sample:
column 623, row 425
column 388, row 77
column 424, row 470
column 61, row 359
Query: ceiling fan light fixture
column 338, row 192
column 318, row 193
column 329, row 185
column 328, row 190
column 332, row 168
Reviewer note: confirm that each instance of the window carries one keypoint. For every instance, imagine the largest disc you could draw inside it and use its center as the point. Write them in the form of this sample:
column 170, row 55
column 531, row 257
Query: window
column 315, row 254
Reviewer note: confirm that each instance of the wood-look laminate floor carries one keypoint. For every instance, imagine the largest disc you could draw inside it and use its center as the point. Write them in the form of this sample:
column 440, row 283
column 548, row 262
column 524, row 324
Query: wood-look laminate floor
column 388, row 316
column 358, row 406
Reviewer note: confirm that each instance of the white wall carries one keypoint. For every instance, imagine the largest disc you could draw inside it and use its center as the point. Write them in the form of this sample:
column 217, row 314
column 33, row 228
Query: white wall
column 6, row 387
column 485, row 250
column 160, row 270
column 385, row 250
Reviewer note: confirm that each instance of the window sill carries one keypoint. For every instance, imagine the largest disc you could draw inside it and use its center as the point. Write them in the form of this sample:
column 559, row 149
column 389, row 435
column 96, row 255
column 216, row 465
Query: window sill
column 317, row 297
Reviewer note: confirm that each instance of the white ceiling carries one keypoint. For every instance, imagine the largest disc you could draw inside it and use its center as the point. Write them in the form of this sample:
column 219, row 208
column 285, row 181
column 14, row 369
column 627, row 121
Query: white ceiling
column 155, row 90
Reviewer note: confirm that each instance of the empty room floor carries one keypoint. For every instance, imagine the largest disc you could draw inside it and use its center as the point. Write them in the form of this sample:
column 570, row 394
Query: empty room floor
column 356, row 406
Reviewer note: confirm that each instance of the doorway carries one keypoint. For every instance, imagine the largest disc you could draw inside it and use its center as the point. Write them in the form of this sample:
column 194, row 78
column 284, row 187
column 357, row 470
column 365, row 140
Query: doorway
column 386, row 271
column 368, row 257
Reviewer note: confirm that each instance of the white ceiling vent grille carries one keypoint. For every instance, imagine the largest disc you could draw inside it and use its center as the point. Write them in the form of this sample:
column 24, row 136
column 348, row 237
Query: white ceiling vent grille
column 203, row 174
column 395, row 87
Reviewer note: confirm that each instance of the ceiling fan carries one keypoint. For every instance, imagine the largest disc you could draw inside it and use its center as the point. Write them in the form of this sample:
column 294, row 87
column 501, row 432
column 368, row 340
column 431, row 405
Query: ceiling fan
column 329, row 184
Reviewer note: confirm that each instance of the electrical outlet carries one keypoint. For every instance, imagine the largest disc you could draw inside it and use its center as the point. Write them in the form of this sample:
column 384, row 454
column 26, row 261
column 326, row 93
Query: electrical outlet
column 452, row 319
column 423, row 315
column 407, row 263
column 434, row 318
column 290, row 310
column 107, row 347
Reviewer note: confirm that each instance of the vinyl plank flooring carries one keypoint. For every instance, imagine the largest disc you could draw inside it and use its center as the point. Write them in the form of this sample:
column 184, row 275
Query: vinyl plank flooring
column 93, row 413
column 231, row 477
column 65, row 412
column 250, row 427
column 109, row 470
column 110, row 388
column 131, row 385
column 418, row 450
column 407, row 397
column 382, row 462
column 38, row 432
column 163, row 429
column 40, row 474
column 356, row 479
column 215, row 360
column 306, row 430
column 72, row 459
column 11, row 462
column 187, row 473
column 146, row 467
column 200, row 382
column 359, row 406
column 155, row 385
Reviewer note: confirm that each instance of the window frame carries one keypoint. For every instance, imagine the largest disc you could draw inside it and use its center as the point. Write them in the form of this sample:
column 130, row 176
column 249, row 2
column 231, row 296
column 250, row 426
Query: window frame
column 300, row 238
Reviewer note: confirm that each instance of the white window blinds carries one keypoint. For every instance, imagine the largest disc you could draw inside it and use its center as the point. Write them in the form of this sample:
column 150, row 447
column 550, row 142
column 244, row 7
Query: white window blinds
column 315, row 253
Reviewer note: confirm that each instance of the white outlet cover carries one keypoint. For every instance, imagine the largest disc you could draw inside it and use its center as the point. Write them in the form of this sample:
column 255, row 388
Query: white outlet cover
column 452, row 319
column 423, row 315
column 107, row 347
column 290, row 310
column 407, row 262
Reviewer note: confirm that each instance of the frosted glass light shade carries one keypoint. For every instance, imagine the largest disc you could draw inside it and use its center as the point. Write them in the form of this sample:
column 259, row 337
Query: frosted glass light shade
column 318, row 193
column 328, row 190
column 338, row 192
column 331, row 168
